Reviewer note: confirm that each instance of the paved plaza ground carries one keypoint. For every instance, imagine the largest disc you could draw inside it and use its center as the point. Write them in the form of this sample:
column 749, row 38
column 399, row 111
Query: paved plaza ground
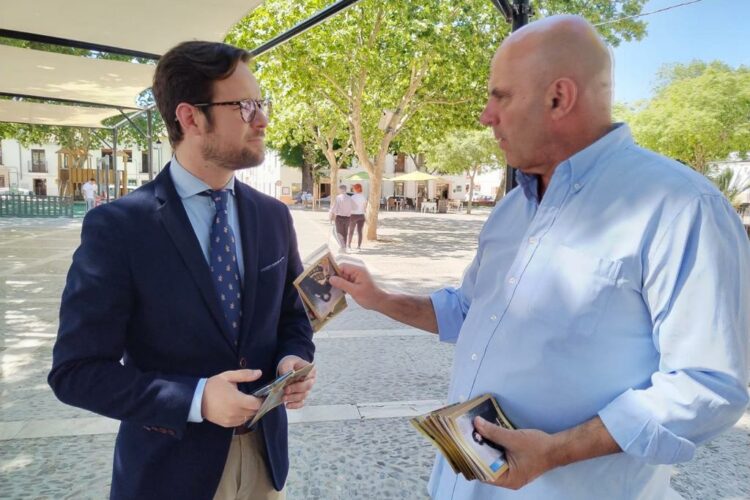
column 352, row 441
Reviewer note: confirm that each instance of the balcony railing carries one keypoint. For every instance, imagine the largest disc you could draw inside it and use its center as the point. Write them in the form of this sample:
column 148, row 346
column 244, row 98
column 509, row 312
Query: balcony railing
column 37, row 166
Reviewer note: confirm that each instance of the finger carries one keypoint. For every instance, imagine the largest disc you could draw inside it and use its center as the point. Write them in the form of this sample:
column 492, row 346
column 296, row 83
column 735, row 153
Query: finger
column 342, row 284
column 295, row 406
column 494, row 433
column 297, row 397
column 303, row 386
column 237, row 376
column 248, row 404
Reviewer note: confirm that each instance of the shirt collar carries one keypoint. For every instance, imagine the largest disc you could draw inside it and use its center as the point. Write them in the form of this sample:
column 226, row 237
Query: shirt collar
column 187, row 184
column 581, row 164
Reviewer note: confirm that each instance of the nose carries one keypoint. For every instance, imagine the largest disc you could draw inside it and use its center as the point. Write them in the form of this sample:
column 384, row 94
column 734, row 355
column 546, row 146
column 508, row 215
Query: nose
column 487, row 118
column 260, row 120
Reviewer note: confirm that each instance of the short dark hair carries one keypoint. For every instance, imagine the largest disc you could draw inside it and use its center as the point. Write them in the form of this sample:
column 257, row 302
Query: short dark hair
column 187, row 73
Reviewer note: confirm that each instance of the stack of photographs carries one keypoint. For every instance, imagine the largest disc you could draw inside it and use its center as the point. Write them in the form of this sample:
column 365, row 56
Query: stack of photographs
column 321, row 300
column 274, row 392
column 451, row 430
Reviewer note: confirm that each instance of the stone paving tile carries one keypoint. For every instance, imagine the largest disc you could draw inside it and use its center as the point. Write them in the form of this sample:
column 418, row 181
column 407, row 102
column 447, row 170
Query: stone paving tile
column 77, row 467
column 359, row 370
column 24, row 287
column 369, row 459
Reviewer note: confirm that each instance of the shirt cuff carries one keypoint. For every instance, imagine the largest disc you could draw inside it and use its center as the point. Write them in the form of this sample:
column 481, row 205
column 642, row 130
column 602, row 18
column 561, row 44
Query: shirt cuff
column 195, row 415
column 449, row 314
column 640, row 435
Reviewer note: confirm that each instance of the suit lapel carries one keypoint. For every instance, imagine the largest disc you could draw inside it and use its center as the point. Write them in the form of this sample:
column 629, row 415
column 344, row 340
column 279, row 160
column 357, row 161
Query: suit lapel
column 173, row 217
column 249, row 227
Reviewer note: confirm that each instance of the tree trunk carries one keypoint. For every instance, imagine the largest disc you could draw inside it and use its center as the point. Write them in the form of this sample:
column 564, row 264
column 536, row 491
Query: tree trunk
column 373, row 208
column 501, row 190
column 307, row 177
column 471, row 191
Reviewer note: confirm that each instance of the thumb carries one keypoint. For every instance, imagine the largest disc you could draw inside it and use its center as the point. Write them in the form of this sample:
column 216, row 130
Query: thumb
column 237, row 376
column 495, row 433
column 341, row 284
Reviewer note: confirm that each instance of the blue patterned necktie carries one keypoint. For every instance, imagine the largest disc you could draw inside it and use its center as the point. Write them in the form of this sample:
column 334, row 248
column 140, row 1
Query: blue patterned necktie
column 225, row 270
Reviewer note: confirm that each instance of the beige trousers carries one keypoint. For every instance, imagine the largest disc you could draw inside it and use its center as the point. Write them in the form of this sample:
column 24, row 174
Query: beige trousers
column 245, row 475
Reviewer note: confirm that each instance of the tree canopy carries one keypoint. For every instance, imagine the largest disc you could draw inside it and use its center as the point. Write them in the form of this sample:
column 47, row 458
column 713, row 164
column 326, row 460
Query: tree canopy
column 700, row 113
column 379, row 71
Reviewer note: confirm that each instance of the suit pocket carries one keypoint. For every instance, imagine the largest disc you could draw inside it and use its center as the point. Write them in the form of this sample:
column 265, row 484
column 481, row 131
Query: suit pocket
column 575, row 290
column 272, row 265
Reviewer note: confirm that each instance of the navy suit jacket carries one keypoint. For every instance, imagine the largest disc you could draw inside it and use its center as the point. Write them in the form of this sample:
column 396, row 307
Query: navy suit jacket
column 140, row 324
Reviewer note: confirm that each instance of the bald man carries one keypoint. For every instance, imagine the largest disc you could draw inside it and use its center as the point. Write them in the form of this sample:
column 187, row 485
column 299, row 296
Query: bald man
column 607, row 306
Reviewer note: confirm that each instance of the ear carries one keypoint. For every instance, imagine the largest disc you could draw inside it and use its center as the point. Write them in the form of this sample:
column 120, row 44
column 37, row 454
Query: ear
column 191, row 120
column 562, row 96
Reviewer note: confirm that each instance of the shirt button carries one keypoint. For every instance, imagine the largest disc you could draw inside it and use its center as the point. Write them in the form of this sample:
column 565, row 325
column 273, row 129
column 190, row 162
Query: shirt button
column 493, row 318
column 513, row 280
column 577, row 186
column 533, row 240
column 474, row 357
column 243, row 362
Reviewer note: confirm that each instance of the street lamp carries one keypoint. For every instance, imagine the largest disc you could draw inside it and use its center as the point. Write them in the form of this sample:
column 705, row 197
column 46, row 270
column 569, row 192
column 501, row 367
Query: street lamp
column 158, row 151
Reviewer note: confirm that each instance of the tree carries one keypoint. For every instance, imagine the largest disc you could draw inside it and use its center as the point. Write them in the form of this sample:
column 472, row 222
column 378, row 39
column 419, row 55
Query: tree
column 700, row 113
column 467, row 152
column 418, row 69
column 306, row 127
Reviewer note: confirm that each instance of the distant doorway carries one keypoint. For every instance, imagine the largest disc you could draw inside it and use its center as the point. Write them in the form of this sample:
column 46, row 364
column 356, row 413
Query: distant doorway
column 40, row 187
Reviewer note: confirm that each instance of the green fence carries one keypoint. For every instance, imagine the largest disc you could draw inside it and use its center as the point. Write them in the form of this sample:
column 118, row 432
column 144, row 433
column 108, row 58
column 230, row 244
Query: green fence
column 21, row 205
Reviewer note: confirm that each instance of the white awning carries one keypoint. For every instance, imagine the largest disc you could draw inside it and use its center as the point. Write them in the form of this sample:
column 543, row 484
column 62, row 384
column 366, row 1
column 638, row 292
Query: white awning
column 53, row 114
column 60, row 76
column 151, row 26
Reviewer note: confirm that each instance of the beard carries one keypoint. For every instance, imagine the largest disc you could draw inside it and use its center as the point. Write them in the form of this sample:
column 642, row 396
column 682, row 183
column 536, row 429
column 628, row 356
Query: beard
column 232, row 157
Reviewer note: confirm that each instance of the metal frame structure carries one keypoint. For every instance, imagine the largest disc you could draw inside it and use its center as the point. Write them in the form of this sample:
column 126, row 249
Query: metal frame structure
column 295, row 31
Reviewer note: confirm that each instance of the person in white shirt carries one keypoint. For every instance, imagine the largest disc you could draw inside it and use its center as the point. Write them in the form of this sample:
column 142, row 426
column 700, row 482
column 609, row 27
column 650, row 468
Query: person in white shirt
column 88, row 190
column 341, row 210
column 357, row 218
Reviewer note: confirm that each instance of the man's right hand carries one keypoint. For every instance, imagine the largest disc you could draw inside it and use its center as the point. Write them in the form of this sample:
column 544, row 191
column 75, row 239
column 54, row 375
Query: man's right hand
column 413, row 310
column 224, row 404
column 357, row 282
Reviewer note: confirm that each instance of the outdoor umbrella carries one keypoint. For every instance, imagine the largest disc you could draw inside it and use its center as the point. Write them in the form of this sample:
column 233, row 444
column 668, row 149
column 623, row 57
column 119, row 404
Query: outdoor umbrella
column 362, row 176
column 415, row 176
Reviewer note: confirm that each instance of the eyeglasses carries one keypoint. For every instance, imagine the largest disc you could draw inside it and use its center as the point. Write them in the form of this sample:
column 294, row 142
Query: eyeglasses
column 248, row 107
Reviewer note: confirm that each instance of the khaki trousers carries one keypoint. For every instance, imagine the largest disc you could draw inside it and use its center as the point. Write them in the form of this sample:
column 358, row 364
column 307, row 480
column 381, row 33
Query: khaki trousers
column 245, row 475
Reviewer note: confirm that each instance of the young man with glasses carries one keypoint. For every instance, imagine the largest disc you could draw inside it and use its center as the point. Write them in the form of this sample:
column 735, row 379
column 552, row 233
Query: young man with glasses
column 180, row 300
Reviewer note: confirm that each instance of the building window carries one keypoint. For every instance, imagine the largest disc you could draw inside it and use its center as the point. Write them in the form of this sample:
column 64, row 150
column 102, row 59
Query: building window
column 2, row 181
column 38, row 161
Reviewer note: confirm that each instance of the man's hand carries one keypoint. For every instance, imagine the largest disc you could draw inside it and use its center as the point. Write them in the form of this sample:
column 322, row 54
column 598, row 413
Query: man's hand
column 528, row 453
column 357, row 282
column 223, row 404
column 295, row 394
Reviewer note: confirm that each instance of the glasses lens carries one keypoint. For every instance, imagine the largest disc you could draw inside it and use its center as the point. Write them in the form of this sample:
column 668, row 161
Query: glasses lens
column 247, row 111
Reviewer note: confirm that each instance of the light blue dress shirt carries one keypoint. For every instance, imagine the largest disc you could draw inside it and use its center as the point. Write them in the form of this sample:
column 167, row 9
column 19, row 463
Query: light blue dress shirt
column 624, row 293
column 201, row 211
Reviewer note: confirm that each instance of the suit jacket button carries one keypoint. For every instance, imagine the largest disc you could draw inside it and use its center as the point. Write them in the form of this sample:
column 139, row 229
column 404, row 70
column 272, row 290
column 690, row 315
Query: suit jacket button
column 243, row 362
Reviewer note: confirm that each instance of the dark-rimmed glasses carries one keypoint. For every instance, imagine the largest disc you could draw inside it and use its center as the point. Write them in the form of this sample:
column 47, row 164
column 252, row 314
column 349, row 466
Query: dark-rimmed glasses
column 248, row 107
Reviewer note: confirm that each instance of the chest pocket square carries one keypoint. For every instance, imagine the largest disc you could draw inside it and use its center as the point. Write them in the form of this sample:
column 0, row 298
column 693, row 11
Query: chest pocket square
column 271, row 266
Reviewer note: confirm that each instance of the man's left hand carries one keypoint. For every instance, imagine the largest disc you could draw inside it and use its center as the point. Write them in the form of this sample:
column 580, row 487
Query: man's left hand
column 295, row 394
column 528, row 453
